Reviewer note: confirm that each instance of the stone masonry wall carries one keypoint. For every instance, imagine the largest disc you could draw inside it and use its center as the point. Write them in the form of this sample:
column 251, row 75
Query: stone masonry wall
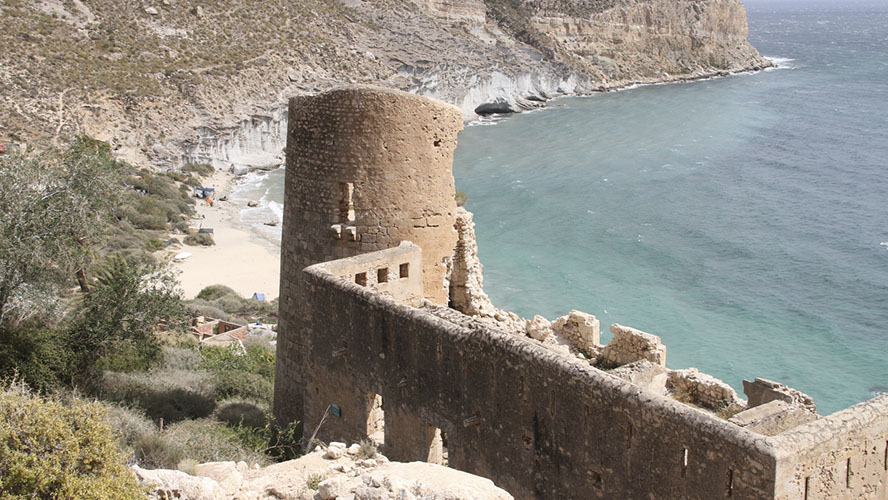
column 539, row 425
column 367, row 168
column 843, row 456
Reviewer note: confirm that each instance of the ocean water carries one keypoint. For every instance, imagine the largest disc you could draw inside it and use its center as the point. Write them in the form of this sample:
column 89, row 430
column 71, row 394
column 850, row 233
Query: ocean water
column 742, row 219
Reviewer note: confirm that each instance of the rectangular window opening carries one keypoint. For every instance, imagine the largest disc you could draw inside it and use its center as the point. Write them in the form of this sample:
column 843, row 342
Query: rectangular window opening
column 885, row 461
column 807, row 484
column 382, row 275
column 375, row 419
column 848, row 473
column 361, row 279
column 445, row 460
column 404, row 270
column 730, row 482
column 346, row 202
column 629, row 437
column 684, row 462
column 436, row 446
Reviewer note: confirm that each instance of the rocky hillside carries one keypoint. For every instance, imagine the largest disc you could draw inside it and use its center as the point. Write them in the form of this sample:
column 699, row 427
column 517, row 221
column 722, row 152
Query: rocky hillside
column 329, row 473
column 167, row 81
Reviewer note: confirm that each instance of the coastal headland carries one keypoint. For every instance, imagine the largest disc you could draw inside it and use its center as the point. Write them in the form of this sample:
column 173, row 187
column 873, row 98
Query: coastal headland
column 175, row 82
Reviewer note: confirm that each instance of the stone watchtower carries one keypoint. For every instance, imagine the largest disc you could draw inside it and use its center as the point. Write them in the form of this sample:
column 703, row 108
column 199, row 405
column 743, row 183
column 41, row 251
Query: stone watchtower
column 367, row 168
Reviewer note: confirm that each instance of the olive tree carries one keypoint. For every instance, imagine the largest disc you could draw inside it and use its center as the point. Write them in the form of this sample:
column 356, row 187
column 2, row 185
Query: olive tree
column 53, row 209
column 116, row 321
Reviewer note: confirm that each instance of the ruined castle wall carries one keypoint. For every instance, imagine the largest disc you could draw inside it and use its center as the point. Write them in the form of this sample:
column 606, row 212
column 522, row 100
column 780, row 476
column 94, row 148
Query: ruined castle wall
column 367, row 168
column 540, row 425
column 843, row 456
column 376, row 164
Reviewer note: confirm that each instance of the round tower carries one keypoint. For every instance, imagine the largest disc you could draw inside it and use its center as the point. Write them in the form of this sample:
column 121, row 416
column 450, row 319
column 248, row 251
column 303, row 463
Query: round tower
column 367, row 168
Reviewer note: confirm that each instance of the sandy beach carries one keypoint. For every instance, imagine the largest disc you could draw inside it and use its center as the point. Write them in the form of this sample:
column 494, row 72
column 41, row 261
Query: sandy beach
column 242, row 258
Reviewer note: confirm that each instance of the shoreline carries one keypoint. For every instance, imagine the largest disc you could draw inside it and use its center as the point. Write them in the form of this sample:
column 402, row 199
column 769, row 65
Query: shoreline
column 242, row 258
column 248, row 260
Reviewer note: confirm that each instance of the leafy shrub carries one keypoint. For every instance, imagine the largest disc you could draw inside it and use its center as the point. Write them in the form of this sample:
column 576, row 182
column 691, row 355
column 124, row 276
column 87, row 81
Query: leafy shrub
column 461, row 197
column 154, row 244
column 169, row 394
column 155, row 451
column 214, row 292
column 256, row 360
column 180, row 358
column 233, row 384
column 224, row 298
column 237, row 413
column 199, row 307
column 313, row 481
column 129, row 424
column 38, row 355
column 52, row 450
column 207, row 441
column 200, row 239
column 116, row 320
column 367, row 450
column 201, row 169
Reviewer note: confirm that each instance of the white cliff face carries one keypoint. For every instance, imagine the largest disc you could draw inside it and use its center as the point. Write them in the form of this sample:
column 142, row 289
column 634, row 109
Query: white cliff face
column 255, row 142
column 600, row 45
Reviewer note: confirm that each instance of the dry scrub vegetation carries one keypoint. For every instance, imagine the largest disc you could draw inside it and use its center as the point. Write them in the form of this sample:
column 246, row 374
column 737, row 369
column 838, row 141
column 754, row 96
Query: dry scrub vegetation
column 88, row 313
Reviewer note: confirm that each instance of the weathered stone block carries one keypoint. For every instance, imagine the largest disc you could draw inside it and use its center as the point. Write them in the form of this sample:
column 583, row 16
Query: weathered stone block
column 773, row 417
column 539, row 328
column 761, row 391
column 630, row 344
column 691, row 386
column 583, row 330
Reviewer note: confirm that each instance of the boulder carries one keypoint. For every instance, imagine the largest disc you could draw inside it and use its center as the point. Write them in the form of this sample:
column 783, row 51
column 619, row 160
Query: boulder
column 499, row 105
column 333, row 488
column 583, row 330
column 538, row 328
column 630, row 345
column 177, row 484
column 227, row 474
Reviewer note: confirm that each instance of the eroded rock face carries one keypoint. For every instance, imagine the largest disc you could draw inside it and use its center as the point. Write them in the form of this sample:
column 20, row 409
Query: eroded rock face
column 626, row 40
column 466, row 279
column 226, row 106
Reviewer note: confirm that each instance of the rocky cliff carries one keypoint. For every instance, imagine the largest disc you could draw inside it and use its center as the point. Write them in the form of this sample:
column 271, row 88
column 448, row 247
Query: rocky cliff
column 167, row 81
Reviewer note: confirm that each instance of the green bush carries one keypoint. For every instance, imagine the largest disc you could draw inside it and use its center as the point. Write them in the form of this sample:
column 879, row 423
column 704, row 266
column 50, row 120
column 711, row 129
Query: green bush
column 169, row 394
column 38, row 355
column 201, row 239
column 154, row 244
column 256, row 360
column 207, row 441
column 461, row 197
column 129, row 424
column 201, row 169
column 199, row 307
column 225, row 299
column 234, row 384
column 214, row 292
column 50, row 450
column 155, row 451
column 180, row 358
column 235, row 413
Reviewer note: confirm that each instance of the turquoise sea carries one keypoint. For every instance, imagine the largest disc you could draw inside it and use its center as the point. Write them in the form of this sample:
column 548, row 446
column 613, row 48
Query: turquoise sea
column 742, row 219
